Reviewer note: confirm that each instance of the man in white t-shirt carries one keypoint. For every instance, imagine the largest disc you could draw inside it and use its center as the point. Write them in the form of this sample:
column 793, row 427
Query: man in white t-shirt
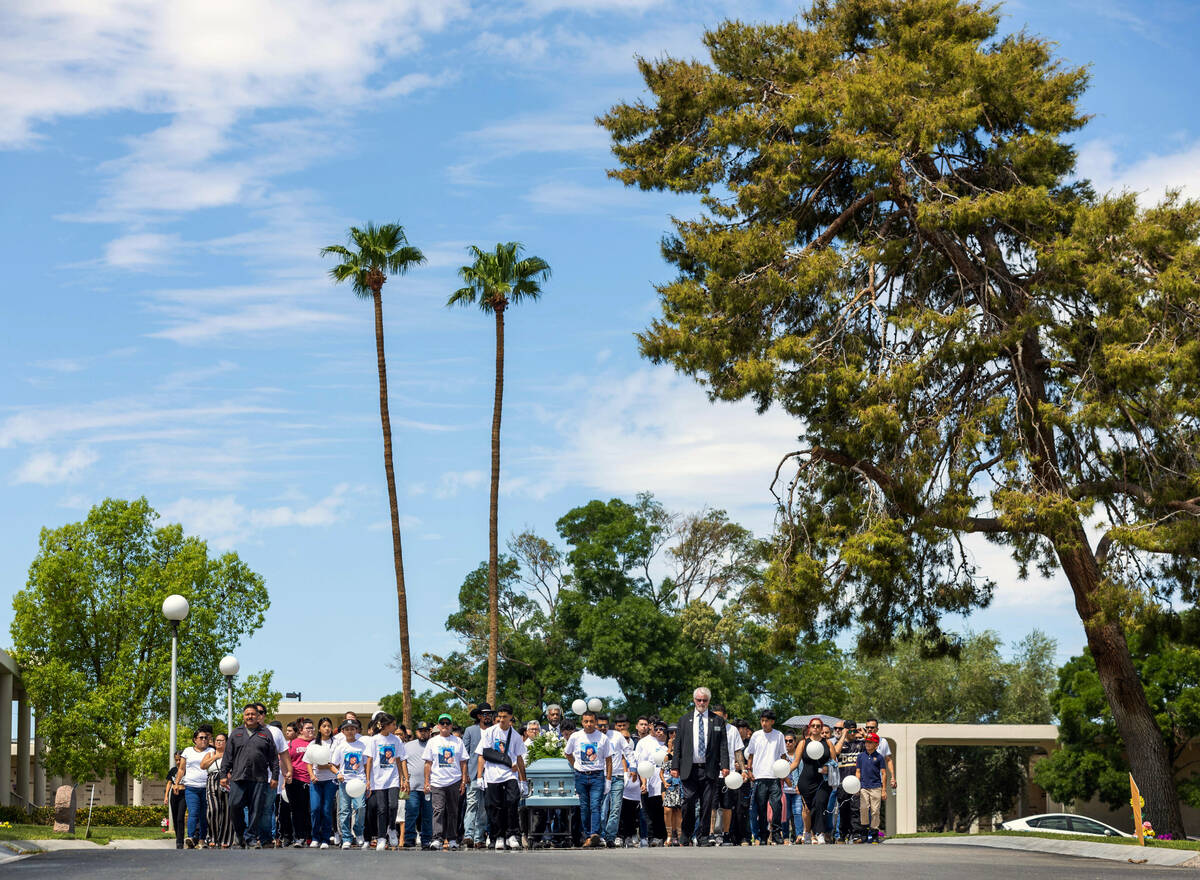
column 589, row 752
column 500, row 765
column 766, row 746
column 446, row 778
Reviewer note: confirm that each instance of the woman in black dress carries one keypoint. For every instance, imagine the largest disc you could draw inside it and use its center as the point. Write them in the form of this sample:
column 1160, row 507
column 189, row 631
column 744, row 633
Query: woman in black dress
column 813, row 784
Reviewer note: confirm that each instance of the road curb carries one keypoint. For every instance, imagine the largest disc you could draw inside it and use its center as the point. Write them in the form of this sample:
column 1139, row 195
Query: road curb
column 20, row 847
column 1171, row 858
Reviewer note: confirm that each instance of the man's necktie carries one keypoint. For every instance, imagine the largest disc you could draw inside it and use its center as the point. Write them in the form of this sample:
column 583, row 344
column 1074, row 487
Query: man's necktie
column 703, row 745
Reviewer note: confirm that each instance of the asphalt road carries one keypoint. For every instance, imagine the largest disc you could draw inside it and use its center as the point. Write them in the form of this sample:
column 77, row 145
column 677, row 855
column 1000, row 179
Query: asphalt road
column 886, row 862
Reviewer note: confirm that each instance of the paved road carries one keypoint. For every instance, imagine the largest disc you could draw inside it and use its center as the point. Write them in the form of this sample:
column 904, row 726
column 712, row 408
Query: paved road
column 893, row 862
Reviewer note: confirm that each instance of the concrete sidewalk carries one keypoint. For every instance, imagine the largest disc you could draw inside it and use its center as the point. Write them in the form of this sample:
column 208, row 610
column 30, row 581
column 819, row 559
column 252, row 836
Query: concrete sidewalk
column 25, row 847
column 1138, row 855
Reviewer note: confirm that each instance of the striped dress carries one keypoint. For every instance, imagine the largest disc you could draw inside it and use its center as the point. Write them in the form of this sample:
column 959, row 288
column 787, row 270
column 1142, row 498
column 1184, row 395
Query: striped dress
column 220, row 822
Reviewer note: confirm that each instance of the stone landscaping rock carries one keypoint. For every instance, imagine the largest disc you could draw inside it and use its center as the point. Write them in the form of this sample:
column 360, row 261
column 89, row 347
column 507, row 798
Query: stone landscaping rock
column 64, row 809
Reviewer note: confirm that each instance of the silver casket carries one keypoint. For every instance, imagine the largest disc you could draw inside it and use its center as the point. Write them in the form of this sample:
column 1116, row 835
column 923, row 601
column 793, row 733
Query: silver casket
column 551, row 784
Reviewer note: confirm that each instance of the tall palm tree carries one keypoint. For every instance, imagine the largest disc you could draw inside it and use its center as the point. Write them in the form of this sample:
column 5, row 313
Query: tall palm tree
column 374, row 253
column 496, row 280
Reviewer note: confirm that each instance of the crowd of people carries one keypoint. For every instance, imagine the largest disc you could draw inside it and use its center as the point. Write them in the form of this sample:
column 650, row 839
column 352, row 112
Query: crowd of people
column 703, row 780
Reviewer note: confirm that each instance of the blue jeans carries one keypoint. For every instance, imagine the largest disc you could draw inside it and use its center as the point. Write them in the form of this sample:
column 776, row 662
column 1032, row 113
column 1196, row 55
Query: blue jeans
column 590, row 788
column 352, row 812
column 321, row 798
column 197, row 807
column 832, row 817
column 612, row 808
column 475, row 825
column 795, row 809
column 418, row 816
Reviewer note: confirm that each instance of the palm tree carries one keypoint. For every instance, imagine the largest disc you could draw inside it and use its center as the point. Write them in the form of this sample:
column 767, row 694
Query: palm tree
column 496, row 280
column 374, row 253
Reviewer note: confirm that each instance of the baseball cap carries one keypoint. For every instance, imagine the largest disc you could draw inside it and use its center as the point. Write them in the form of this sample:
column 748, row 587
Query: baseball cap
column 424, row 725
column 872, row 737
column 445, row 717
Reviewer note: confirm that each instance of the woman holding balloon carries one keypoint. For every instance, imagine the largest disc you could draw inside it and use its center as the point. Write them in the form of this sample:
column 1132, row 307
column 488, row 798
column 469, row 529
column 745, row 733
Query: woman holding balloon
column 322, row 789
column 812, row 754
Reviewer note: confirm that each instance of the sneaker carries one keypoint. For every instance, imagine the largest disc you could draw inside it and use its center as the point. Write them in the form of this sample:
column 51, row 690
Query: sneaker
column 513, row 842
column 453, row 845
column 362, row 844
column 188, row 843
column 380, row 845
column 323, row 845
column 616, row 843
column 468, row 843
column 435, row 845
column 299, row 844
column 346, row 845
column 499, row 843
column 820, row 838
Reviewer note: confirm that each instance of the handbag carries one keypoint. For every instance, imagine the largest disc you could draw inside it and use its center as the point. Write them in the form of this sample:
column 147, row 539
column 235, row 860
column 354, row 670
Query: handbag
column 495, row 756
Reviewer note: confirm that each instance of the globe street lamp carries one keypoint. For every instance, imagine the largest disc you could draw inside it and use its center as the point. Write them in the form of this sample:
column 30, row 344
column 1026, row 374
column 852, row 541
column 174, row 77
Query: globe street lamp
column 175, row 609
column 229, row 667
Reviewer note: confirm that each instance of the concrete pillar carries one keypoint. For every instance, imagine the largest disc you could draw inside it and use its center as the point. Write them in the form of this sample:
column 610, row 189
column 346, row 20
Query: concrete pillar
column 137, row 792
column 906, row 785
column 23, row 719
column 6, row 698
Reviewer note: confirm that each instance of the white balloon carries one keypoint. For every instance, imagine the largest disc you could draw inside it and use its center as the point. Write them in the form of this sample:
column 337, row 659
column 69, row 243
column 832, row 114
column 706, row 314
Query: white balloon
column 659, row 757
column 356, row 788
column 780, row 768
column 595, row 704
column 646, row 769
column 851, row 785
column 815, row 750
column 318, row 754
column 579, row 707
column 733, row 781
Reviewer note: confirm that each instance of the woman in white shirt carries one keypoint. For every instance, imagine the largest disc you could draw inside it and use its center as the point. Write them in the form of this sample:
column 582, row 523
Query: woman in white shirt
column 195, row 785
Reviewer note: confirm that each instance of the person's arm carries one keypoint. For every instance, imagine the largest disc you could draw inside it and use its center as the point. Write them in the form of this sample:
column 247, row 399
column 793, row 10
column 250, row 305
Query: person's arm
column 567, row 753
column 836, row 748
column 891, row 769
column 883, row 782
column 367, row 769
column 479, row 768
column 208, row 759
column 462, row 783
column 520, row 765
column 608, row 768
column 678, row 750
column 285, row 765
column 227, row 761
column 723, row 752
column 428, row 772
column 748, row 757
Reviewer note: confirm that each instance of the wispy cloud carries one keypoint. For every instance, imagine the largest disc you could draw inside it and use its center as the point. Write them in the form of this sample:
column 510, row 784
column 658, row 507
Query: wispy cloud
column 251, row 320
column 1149, row 176
column 47, row 468
column 452, row 482
column 225, row 522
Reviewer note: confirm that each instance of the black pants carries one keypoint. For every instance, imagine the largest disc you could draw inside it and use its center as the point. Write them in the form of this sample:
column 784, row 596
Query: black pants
column 627, row 827
column 445, row 812
column 652, row 811
column 698, row 789
column 178, row 807
column 741, row 815
column 816, row 799
column 298, row 811
column 386, row 802
column 252, row 795
column 503, row 799
column 849, row 823
column 767, row 793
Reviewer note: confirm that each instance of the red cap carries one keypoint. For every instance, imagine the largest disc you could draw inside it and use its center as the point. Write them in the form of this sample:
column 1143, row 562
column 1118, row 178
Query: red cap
column 872, row 737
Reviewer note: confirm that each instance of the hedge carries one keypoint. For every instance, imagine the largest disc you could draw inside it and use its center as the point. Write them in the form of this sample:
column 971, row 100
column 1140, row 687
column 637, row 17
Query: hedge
column 121, row 816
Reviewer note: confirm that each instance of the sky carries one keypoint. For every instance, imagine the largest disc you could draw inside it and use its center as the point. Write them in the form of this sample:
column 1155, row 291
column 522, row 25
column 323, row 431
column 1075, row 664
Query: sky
column 170, row 171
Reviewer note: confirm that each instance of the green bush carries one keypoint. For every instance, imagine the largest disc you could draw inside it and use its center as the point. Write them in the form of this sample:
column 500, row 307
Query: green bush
column 123, row 817
column 18, row 816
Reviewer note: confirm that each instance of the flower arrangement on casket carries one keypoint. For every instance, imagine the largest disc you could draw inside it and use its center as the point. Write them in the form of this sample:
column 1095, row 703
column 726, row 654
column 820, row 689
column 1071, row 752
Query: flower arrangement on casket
column 545, row 745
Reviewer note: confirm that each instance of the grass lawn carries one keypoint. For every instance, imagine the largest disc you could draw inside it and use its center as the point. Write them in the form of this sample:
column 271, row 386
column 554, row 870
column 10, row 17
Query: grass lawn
column 1086, row 838
column 101, row 834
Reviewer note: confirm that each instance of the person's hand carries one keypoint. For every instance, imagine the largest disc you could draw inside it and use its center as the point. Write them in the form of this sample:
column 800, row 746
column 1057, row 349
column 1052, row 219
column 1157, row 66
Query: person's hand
column 287, row 777
column 748, row 774
column 480, row 784
column 883, row 795
column 607, row 785
column 341, row 778
column 225, row 784
column 524, row 786
column 462, row 786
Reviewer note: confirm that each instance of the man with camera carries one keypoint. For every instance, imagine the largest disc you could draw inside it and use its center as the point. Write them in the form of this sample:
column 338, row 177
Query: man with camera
column 849, row 826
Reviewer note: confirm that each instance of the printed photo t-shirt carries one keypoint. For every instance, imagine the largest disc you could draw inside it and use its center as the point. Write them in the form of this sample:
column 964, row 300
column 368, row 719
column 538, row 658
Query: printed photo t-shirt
column 506, row 742
column 385, row 752
column 351, row 757
column 589, row 750
column 444, row 754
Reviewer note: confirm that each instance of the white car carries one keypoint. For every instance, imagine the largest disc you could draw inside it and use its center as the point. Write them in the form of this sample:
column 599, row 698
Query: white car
column 1062, row 823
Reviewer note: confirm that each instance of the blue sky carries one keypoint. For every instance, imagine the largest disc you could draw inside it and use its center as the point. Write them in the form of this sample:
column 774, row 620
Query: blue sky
column 170, row 170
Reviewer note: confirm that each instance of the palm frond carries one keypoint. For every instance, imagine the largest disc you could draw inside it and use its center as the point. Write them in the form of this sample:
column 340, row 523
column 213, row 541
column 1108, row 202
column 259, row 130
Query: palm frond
column 384, row 247
column 500, row 277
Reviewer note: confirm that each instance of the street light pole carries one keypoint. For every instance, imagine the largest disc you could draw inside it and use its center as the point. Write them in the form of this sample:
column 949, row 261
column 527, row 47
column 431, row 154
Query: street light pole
column 229, row 667
column 175, row 609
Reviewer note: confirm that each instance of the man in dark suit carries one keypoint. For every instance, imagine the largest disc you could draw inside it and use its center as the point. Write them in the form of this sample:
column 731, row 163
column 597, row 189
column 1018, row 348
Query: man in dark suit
column 700, row 762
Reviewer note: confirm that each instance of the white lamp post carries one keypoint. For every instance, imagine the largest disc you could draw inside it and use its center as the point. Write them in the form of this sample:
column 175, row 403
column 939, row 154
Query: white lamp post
column 229, row 668
column 175, row 609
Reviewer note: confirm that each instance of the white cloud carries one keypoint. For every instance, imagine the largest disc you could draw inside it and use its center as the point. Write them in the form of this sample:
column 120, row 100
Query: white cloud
column 46, row 468
column 61, row 365
column 576, row 198
column 225, row 522
column 140, row 250
column 453, row 481
column 1149, row 176
column 251, row 320
column 655, row 431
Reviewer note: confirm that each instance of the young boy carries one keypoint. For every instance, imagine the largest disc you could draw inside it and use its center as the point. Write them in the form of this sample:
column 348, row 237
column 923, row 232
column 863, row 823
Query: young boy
column 446, row 780
column 872, row 773
column 385, row 747
column 766, row 747
column 351, row 761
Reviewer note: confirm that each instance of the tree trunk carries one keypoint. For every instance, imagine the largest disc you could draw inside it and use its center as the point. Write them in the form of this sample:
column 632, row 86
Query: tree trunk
column 1145, row 748
column 120, row 788
column 494, row 517
column 397, row 553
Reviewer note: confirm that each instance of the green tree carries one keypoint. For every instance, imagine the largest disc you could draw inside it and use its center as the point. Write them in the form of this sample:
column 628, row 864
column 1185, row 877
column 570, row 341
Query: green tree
column 1093, row 760
column 494, row 281
column 428, row 705
column 95, row 649
column 374, row 253
column 895, row 252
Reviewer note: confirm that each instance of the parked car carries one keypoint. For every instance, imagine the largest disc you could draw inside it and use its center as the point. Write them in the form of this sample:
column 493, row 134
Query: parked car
column 1062, row 823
